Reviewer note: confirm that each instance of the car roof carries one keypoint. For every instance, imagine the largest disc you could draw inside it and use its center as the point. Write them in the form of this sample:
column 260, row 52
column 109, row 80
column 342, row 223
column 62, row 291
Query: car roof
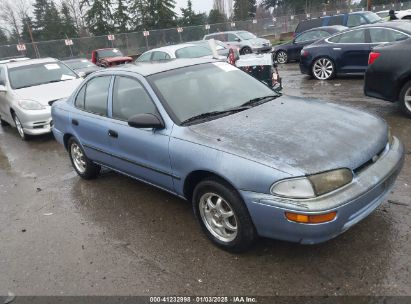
column 75, row 59
column 13, row 59
column 228, row 32
column 151, row 68
column 172, row 48
column 19, row 63
column 327, row 27
column 402, row 25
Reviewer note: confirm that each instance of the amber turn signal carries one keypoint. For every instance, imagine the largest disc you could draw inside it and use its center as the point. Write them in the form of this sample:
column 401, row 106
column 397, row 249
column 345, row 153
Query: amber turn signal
column 311, row 218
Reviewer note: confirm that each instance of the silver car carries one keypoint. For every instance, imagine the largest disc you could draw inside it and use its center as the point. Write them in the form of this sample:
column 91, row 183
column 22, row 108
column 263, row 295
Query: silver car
column 246, row 42
column 28, row 88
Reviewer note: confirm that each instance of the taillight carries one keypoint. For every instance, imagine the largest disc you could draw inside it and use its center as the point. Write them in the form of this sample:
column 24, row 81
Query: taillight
column 372, row 57
column 304, row 53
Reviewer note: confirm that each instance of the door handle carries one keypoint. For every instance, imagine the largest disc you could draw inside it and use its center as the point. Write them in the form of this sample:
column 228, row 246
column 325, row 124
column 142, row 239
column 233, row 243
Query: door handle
column 74, row 122
column 112, row 133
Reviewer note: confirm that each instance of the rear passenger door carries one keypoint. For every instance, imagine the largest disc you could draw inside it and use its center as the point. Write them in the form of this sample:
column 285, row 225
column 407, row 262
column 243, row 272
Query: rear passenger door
column 141, row 153
column 351, row 50
column 89, row 120
column 380, row 35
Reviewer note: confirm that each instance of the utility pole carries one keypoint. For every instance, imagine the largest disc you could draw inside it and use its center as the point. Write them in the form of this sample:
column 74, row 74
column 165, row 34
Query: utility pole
column 36, row 51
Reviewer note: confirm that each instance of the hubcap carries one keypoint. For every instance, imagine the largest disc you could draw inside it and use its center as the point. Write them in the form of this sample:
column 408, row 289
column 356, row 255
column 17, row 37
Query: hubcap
column 78, row 158
column 19, row 126
column 407, row 99
column 281, row 57
column 218, row 216
column 323, row 68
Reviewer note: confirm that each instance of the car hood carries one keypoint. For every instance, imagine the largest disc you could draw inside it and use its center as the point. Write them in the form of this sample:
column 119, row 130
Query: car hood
column 49, row 92
column 296, row 135
column 283, row 45
column 117, row 59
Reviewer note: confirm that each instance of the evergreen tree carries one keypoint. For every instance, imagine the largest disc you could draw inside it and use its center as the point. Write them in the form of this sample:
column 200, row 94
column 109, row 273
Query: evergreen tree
column 189, row 17
column 40, row 9
column 216, row 17
column 3, row 37
column 121, row 17
column 244, row 9
column 27, row 22
column 68, row 25
column 99, row 18
column 53, row 23
column 165, row 13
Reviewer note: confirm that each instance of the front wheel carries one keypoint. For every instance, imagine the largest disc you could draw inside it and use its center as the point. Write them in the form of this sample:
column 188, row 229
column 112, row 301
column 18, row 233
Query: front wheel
column 19, row 127
column 223, row 215
column 323, row 69
column 281, row 57
column 83, row 166
column 246, row 50
column 405, row 98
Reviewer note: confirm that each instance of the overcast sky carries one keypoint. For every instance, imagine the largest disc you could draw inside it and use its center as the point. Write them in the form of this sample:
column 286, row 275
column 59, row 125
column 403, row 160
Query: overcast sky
column 198, row 5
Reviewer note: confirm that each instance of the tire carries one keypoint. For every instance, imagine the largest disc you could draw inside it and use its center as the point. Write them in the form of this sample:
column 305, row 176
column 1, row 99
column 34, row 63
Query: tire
column 281, row 57
column 405, row 99
column 19, row 127
column 246, row 50
column 223, row 216
column 323, row 68
column 83, row 166
column 3, row 123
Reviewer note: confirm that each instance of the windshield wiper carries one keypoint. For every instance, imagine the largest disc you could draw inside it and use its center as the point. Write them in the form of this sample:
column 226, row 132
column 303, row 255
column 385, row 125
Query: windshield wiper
column 211, row 114
column 259, row 100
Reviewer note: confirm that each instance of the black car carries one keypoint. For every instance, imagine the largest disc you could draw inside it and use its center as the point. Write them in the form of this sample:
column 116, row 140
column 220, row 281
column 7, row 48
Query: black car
column 388, row 75
column 291, row 50
column 82, row 66
column 346, row 53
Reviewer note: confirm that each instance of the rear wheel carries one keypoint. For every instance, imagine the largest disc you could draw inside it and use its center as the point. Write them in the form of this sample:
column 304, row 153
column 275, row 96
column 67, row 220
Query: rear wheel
column 83, row 166
column 405, row 98
column 323, row 69
column 223, row 215
column 281, row 57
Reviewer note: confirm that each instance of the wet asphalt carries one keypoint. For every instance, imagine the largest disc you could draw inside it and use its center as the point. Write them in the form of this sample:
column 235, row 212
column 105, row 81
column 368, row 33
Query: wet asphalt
column 60, row 235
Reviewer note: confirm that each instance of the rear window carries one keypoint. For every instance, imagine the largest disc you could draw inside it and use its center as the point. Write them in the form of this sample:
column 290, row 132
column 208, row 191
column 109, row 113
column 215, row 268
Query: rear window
column 308, row 25
column 336, row 20
column 193, row 52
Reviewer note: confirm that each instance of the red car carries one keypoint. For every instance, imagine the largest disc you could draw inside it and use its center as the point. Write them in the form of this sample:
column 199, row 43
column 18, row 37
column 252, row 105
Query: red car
column 109, row 57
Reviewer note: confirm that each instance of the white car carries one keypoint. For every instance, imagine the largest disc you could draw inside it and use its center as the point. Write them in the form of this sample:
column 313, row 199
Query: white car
column 28, row 88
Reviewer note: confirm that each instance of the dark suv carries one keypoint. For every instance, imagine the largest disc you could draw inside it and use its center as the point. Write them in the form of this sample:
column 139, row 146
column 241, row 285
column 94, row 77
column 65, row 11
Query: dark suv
column 349, row 20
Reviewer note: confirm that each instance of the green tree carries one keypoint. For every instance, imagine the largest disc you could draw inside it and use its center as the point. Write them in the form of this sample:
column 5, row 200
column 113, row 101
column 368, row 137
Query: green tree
column 216, row 17
column 121, row 16
column 26, row 22
column 244, row 9
column 40, row 10
column 99, row 18
column 165, row 13
column 68, row 24
column 3, row 37
column 189, row 17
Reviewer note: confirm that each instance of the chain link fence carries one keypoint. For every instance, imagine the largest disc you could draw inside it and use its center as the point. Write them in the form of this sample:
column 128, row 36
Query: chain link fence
column 137, row 42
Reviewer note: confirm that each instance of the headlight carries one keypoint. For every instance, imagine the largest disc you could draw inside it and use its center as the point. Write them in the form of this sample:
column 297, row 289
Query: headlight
column 30, row 105
column 312, row 185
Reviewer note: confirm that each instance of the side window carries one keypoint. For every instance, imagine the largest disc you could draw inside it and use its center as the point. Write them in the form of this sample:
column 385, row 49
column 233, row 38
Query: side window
column 96, row 97
column 144, row 57
column 379, row 35
column 336, row 20
column 130, row 98
column 357, row 36
column 307, row 36
column 356, row 20
column 231, row 37
column 158, row 56
column 79, row 102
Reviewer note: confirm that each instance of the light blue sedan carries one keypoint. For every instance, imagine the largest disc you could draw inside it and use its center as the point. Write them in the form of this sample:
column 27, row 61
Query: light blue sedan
column 252, row 162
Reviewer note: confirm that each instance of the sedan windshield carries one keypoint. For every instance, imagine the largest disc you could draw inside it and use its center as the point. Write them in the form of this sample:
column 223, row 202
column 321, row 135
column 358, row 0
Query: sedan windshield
column 79, row 64
column 37, row 74
column 372, row 17
column 208, row 89
column 246, row 35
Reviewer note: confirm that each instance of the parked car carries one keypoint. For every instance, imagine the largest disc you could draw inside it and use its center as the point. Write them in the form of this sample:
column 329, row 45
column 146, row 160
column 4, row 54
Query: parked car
column 404, row 14
column 347, row 53
column 244, row 41
column 388, row 75
column 197, row 49
column 291, row 50
column 109, row 57
column 82, row 66
column 383, row 14
column 348, row 19
column 27, row 90
column 234, row 151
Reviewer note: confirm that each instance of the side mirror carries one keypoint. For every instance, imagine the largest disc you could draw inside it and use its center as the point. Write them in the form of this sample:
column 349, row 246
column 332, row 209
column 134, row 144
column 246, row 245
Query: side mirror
column 142, row 121
column 3, row 88
column 237, row 39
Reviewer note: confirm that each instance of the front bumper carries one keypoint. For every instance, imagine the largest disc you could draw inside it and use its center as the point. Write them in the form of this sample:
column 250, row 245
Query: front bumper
column 35, row 122
column 352, row 203
column 262, row 49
